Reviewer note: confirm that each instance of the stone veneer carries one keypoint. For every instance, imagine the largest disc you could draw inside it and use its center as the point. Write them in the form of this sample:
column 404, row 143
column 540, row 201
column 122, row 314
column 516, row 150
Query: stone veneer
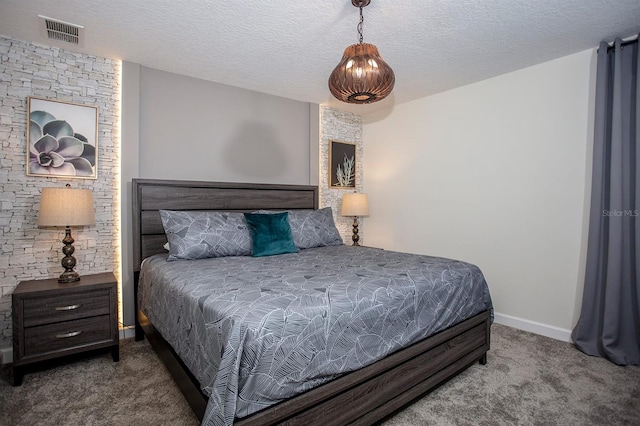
column 27, row 252
column 30, row 69
column 343, row 127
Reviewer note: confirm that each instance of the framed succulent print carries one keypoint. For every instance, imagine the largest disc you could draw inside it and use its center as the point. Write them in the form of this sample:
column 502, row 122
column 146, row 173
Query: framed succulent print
column 62, row 139
column 342, row 165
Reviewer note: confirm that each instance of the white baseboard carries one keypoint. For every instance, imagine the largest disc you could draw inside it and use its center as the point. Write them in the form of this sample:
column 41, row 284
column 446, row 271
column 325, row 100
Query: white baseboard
column 128, row 332
column 6, row 354
column 533, row 327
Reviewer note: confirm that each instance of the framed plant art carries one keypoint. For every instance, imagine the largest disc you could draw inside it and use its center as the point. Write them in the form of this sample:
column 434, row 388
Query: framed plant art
column 342, row 165
column 63, row 139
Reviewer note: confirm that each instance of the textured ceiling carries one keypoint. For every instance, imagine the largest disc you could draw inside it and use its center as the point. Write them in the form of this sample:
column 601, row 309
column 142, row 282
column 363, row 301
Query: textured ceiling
column 288, row 48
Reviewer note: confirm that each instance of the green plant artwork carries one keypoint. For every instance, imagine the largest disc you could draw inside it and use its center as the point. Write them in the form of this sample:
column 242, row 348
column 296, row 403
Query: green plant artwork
column 342, row 165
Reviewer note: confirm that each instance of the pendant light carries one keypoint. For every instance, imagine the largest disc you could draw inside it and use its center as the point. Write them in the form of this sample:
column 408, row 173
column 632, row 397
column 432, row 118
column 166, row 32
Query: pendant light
column 362, row 76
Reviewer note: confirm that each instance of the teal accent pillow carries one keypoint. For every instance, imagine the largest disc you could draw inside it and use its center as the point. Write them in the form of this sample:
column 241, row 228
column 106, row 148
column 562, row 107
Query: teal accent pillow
column 270, row 234
column 312, row 228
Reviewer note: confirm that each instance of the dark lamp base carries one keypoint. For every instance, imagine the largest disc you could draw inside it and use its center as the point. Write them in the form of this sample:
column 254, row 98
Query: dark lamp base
column 355, row 237
column 69, row 277
column 68, row 261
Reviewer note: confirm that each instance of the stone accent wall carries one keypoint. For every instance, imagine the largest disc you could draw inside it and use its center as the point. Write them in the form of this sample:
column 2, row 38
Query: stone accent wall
column 27, row 252
column 343, row 127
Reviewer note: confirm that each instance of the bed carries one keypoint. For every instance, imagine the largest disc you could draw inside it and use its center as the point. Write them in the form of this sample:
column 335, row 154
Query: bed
column 379, row 386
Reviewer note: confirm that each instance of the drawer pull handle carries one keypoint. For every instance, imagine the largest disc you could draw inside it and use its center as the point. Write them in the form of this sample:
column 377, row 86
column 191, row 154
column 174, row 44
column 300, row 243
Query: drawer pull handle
column 65, row 335
column 67, row 308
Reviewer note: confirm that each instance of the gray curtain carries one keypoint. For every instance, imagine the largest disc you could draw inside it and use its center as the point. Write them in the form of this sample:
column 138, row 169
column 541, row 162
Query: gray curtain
column 609, row 324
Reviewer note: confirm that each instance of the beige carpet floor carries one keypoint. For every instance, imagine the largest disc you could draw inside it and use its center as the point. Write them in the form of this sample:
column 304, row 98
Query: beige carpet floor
column 528, row 380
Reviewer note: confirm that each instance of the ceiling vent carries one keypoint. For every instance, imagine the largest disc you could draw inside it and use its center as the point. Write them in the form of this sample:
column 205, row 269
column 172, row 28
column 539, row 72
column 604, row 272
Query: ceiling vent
column 66, row 32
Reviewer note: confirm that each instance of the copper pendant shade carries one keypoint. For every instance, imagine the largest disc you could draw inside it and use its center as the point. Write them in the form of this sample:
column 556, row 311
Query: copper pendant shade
column 362, row 76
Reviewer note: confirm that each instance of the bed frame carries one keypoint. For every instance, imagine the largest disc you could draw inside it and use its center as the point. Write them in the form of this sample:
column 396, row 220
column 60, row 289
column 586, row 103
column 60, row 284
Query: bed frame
column 365, row 396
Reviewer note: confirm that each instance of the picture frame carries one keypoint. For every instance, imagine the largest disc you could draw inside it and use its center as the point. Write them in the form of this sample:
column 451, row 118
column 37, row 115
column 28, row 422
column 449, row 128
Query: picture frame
column 62, row 139
column 342, row 165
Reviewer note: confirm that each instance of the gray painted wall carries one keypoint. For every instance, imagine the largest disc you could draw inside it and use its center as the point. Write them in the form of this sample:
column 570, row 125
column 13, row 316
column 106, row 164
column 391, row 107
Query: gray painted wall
column 178, row 127
column 195, row 129
column 129, row 169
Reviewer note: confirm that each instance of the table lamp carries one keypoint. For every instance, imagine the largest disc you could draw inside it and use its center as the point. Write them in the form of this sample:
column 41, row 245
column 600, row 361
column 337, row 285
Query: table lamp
column 66, row 207
column 355, row 205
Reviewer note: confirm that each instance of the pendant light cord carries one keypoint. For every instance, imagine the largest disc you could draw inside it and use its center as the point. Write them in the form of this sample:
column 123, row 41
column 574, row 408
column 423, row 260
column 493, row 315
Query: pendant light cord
column 360, row 25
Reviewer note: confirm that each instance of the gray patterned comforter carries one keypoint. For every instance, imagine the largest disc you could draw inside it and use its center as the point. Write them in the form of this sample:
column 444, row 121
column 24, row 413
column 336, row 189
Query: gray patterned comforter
column 256, row 331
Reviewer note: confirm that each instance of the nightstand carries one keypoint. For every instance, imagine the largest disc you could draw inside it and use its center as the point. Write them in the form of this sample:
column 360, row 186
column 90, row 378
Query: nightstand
column 51, row 320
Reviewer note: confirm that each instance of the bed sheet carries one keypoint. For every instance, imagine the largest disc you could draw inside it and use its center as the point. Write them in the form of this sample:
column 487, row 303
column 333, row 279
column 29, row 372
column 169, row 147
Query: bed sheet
column 256, row 331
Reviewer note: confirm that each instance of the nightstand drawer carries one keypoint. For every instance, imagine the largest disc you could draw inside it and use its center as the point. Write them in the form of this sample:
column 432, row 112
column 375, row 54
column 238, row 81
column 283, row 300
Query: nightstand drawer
column 67, row 335
column 46, row 310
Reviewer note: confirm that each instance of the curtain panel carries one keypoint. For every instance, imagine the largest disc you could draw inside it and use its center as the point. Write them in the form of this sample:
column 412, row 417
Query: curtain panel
column 609, row 324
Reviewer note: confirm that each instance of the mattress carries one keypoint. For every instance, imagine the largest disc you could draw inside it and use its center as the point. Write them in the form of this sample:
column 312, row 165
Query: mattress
column 258, row 330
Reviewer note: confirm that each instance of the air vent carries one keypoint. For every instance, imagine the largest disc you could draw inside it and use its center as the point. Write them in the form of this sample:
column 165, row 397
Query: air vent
column 62, row 31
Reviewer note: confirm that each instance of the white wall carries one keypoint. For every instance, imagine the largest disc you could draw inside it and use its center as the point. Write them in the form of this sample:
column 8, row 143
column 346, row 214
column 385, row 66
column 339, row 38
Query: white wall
column 495, row 173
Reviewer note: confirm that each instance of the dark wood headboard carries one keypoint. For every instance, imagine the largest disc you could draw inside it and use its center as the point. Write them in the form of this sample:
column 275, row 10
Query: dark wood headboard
column 151, row 195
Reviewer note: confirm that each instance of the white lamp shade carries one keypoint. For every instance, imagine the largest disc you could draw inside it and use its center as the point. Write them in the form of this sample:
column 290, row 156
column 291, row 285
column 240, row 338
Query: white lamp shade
column 66, row 207
column 355, row 205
